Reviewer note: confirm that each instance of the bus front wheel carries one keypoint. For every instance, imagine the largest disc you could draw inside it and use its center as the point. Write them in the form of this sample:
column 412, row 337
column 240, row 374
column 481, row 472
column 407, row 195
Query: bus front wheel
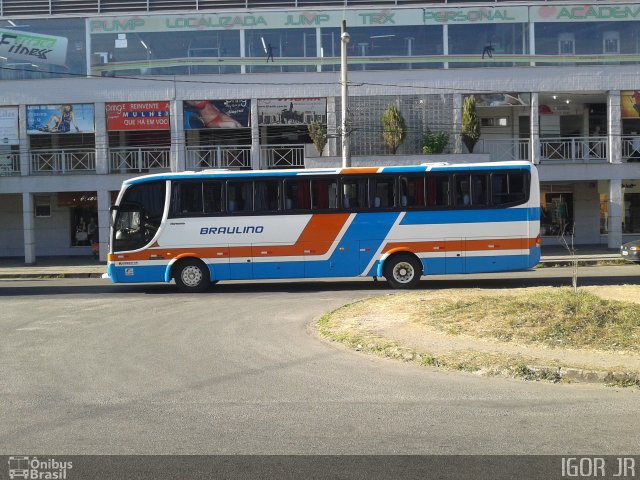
column 403, row 271
column 192, row 276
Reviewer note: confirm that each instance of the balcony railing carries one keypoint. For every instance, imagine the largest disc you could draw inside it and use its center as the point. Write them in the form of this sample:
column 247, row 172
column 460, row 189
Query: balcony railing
column 63, row 161
column 10, row 164
column 573, row 149
column 631, row 149
column 505, row 149
column 148, row 159
column 218, row 156
column 282, row 156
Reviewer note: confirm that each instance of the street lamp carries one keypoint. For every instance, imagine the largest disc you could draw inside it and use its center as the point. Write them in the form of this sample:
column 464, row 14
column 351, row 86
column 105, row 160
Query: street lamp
column 344, row 40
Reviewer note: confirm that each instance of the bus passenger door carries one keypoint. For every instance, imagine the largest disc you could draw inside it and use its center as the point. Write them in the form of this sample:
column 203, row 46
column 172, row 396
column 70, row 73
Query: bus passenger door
column 455, row 256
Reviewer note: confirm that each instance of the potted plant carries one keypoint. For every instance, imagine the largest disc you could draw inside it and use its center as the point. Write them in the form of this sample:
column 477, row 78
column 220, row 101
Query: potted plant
column 434, row 142
column 394, row 128
column 318, row 134
column 470, row 132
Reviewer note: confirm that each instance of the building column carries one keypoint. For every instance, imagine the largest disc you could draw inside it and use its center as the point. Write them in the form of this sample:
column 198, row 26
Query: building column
column 255, row 136
column 104, row 202
column 28, row 228
column 445, row 42
column 534, row 140
column 102, row 139
column 332, row 127
column 24, row 140
column 614, row 127
column 614, row 221
column 178, row 163
column 457, row 123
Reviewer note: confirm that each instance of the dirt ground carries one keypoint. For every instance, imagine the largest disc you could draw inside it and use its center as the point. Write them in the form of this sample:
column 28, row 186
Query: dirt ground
column 390, row 318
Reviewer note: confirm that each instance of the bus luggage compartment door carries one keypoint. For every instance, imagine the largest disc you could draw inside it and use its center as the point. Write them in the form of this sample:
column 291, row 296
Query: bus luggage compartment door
column 455, row 256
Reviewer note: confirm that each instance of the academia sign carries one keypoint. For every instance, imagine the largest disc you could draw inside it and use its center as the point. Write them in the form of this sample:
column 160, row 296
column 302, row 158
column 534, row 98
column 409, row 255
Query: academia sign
column 584, row 13
column 137, row 116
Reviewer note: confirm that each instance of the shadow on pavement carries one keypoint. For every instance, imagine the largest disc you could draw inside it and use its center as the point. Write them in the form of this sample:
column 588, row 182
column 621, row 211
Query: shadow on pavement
column 91, row 287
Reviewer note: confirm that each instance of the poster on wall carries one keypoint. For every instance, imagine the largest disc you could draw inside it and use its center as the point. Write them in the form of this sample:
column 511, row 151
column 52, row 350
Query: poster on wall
column 32, row 47
column 137, row 116
column 630, row 103
column 199, row 114
column 66, row 118
column 292, row 111
column 9, row 126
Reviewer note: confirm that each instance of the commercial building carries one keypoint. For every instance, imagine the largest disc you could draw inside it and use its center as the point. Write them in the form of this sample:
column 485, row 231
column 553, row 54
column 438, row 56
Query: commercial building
column 96, row 91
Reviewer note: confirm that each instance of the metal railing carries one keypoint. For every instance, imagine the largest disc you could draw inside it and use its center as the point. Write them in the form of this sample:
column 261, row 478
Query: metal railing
column 127, row 160
column 573, row 149
column 63, row 161
column 505, row 149
column 282, row 156
column 631, row 148
column 10, row 164
column 218, row 156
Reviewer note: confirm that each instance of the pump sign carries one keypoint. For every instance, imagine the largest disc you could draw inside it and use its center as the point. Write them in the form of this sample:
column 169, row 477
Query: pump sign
column 137, row 116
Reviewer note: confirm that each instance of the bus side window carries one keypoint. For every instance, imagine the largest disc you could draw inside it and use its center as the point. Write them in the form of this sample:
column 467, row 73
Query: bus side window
column 297, row 194
column 323, row 194
column 355, row 193
column 412, row 192
column 437, row 190
column 479, row 189
column 187, row 198
column 266, row 196
column 382, row 194
column 508, row 188
column 212, row 196
column 239, row 196
column 462, row 193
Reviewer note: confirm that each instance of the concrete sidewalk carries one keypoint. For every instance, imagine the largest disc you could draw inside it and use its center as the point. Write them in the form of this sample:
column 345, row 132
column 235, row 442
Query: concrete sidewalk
column 89, row 267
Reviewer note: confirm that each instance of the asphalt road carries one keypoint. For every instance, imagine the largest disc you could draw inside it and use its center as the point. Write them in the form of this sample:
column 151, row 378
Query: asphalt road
column 87, row 367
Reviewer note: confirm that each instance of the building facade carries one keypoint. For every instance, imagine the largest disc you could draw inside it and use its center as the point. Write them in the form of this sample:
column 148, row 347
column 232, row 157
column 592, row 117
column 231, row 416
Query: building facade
column 97, row 91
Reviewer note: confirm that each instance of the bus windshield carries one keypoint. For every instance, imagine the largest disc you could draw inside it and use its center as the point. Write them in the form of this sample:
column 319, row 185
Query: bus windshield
column 138, row 216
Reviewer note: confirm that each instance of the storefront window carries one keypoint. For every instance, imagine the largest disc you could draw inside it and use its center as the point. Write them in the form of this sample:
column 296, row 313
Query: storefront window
column 631, row 206
column 556, row 214
column 580, row 38
column 485, row 40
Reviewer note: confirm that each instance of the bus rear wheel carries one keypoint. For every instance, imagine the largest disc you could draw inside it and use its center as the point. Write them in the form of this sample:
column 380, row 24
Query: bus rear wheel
column 192, row 276
column 403, row 271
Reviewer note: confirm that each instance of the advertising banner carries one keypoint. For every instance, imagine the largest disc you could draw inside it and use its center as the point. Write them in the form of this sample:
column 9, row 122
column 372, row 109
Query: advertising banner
column 584, row 13
column 292, row 111
column 267, row 19
column 9, row 126
column 463, row 15
column 67, row 118
column 137, row 116
column 200, row 114
column 33, row 47
column 630, row 103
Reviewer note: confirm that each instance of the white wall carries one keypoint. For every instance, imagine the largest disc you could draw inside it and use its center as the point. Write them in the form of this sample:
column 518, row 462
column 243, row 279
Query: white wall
column 586, row 212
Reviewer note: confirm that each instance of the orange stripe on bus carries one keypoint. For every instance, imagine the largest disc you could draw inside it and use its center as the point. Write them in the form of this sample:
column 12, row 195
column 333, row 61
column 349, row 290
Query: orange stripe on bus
column 462, row 245
column 355, row 170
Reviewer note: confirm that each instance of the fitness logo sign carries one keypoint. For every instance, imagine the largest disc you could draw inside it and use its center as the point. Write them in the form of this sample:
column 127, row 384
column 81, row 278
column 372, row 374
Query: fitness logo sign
column 33, row 47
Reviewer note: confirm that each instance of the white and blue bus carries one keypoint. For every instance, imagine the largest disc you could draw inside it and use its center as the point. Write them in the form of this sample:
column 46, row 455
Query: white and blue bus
column 399, row 223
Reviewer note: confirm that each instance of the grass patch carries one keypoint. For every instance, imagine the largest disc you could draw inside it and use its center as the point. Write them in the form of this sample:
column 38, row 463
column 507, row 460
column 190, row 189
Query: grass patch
column 554, row 317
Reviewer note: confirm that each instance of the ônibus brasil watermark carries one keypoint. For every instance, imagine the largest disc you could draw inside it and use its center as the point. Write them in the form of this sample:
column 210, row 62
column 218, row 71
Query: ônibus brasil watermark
column 34, row 468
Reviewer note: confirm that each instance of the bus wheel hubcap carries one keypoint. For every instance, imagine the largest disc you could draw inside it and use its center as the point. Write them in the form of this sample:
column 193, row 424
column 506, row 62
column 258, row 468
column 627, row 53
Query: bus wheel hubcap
column 191, row 276
column 403, row 272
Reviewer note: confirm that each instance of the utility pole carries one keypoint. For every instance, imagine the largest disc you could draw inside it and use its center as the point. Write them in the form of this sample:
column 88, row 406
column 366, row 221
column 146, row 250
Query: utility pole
column 346, row 150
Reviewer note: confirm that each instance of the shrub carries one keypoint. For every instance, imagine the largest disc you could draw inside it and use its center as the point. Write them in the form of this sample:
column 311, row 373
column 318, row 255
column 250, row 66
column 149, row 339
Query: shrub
column 434, row 142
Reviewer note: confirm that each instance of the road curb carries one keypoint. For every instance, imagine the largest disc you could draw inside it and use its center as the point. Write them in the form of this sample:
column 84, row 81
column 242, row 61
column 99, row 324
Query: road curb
column 9, row 276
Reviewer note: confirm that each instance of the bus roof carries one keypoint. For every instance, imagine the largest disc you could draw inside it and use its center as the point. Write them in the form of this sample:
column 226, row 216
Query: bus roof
column 425, row 167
